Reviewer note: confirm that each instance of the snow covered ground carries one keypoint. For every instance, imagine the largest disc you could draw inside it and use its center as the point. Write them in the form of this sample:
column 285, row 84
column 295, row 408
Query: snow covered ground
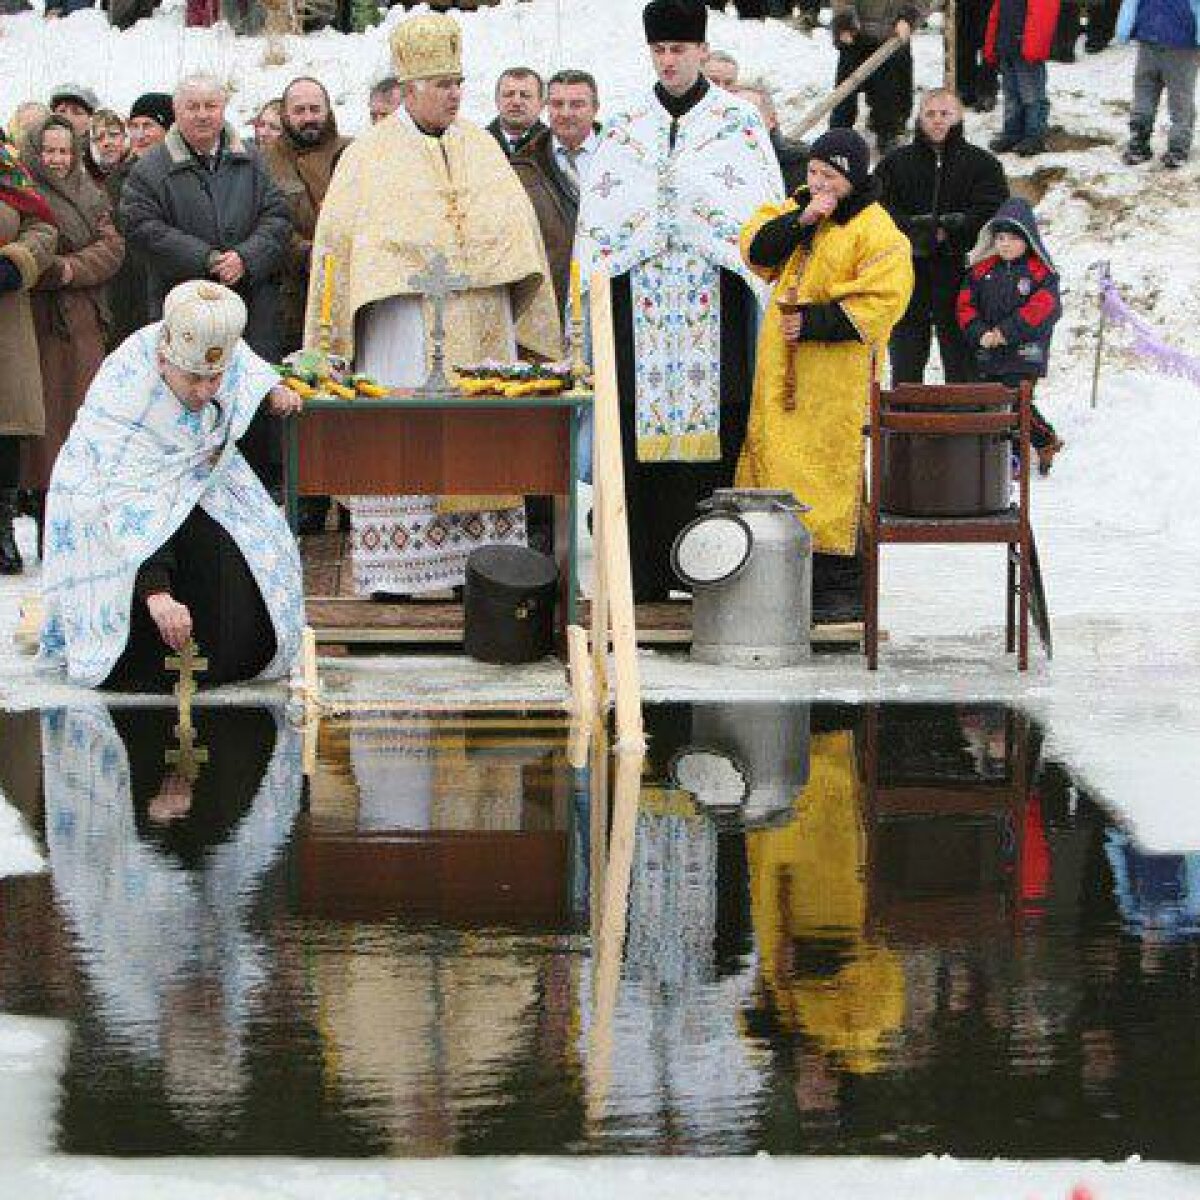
column 1115, row 522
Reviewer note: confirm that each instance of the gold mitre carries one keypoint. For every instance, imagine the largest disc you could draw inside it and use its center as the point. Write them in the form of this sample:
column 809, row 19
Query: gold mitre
column 427, row 47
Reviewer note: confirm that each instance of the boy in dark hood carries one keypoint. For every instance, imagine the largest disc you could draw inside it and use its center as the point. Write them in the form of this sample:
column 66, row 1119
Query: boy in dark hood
column 1007, row 309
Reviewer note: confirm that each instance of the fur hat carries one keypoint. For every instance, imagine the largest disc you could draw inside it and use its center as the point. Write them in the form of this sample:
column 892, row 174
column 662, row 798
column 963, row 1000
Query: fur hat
column 158, row 106
column 202, row 323
column 847, row 153
column 427, row 47
column 675, row 21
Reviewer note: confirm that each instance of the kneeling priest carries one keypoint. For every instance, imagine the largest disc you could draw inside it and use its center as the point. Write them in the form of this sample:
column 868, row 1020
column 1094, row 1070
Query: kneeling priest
column 157, row 530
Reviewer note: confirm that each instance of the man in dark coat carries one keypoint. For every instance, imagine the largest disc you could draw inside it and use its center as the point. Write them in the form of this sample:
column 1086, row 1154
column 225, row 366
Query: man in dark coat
column 859, row 28
column 553, row 164
column 201, row 206
column 301, row 163
column 940, row 190
column 519, row 98
column 151, row 116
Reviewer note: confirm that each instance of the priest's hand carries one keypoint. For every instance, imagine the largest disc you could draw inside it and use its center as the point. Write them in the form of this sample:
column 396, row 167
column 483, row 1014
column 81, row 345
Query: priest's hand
column 172, row 618
column 792, row 323
column 283, row 402
column 228, row 267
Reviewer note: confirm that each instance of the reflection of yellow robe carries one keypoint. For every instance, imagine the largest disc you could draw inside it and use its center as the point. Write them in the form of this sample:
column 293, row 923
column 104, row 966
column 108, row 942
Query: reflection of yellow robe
column 816, row 449
column 396, row 197
column 808, row 880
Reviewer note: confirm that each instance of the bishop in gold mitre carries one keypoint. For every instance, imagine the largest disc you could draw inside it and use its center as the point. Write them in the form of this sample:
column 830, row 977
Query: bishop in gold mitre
column 420, row 182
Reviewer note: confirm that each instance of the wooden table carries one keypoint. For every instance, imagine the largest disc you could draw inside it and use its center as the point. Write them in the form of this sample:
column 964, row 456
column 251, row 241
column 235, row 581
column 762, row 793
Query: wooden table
column 445, row 444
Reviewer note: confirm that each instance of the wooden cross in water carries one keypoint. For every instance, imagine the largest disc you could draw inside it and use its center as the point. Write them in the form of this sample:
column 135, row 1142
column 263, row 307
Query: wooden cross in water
column 436, row 283
column 188, row 756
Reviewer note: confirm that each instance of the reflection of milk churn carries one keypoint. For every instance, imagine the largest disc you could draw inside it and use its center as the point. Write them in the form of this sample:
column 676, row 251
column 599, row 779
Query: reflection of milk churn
column 750, row 760
column 748, row 561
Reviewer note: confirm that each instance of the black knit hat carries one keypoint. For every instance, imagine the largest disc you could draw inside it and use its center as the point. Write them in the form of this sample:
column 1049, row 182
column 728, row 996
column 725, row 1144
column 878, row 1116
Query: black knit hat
column 158, row 106
column 846, row 152
column 675, row 20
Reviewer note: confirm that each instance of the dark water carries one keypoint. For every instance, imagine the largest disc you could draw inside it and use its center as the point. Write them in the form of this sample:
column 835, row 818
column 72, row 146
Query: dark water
column 822, row 930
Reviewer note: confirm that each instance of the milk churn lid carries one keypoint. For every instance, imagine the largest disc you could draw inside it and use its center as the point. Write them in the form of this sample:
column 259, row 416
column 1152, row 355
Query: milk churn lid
column 711, row 549
column 755, row 500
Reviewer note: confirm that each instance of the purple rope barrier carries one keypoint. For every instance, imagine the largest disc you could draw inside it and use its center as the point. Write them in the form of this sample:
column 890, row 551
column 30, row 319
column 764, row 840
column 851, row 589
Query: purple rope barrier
column 1146, row 342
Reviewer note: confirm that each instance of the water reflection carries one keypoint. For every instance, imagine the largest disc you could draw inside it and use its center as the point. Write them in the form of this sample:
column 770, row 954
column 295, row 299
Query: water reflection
column 822, row 929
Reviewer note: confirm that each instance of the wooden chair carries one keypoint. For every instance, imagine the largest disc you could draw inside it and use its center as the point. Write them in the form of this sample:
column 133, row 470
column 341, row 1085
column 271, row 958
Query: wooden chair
column 997, row 409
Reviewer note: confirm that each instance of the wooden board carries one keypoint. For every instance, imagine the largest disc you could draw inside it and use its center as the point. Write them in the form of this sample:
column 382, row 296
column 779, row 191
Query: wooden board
column 340, row 619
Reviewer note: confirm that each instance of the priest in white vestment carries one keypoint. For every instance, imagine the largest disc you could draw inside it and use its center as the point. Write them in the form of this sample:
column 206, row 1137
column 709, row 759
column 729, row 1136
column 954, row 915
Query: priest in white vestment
column 422, row 182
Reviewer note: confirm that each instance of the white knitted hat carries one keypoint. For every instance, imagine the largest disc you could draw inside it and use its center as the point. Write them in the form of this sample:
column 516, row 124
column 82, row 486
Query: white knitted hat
column 202, row 323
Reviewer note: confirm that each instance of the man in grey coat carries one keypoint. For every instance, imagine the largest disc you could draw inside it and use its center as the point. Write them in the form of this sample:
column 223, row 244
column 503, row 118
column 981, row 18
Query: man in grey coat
column 202, row 206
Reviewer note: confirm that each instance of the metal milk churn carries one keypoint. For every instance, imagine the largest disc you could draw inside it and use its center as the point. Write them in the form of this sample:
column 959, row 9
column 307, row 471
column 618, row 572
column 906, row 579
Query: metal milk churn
column 748, row 561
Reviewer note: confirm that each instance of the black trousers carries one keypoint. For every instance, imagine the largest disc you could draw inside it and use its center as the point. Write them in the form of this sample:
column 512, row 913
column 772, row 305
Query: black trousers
column 231, row 625
column 889, row 91
column 977, row 80
column 932, row 309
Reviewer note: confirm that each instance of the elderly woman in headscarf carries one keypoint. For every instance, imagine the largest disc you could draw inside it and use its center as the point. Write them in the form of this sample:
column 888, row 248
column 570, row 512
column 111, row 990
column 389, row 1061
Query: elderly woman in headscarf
column 27, row 241
column 841, row 276
column 70, row 302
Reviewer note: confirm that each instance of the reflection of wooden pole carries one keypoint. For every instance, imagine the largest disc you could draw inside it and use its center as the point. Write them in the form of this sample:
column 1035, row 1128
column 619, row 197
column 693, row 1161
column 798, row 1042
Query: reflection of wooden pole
column 610, row 943
column 950, row 45
column 787, row 304
column 609, row 473
column 851, row 83
column 583, row 697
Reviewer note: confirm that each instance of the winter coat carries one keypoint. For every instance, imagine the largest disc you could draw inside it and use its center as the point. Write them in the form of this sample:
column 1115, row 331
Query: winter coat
column 1127, row 21
column 1019, row 298
column 1037, row 30
column 176, row 214
column 71, row 319
column 956, row 188
column 302, row 174
column 873, row 20
column 29, row 244
column 555, row 201
column 496, row 130
column 858, row 263
column 127, row 299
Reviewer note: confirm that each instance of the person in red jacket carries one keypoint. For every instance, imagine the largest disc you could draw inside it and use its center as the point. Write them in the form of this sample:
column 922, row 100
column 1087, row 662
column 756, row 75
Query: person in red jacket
column 1019, row 36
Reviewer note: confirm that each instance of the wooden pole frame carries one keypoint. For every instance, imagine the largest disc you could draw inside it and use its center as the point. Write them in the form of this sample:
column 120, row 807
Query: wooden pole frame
column 613, row 613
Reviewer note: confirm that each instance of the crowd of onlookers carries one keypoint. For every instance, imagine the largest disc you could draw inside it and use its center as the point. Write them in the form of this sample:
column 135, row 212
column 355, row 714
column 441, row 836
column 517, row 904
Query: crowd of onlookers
column 170, row 191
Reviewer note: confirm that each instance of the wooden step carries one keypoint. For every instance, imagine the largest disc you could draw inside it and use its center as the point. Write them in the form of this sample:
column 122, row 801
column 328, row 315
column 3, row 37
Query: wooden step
column 339, row 619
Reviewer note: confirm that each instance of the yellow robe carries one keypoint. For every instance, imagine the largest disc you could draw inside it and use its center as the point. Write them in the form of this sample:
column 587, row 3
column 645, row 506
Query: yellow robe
column 808, row 881
column 398, row 196
column 816, row 449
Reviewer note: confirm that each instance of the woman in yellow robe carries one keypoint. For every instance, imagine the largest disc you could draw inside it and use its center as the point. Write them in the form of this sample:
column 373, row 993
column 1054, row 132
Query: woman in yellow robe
column 851, row 271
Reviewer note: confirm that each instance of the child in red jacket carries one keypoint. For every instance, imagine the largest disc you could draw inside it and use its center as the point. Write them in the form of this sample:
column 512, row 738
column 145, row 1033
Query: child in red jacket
column 1008, row 307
